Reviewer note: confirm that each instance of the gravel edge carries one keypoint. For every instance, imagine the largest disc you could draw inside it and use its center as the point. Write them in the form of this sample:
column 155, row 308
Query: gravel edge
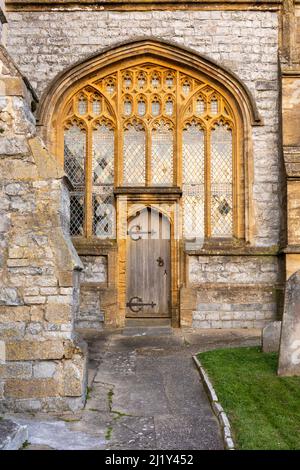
column 216, row 406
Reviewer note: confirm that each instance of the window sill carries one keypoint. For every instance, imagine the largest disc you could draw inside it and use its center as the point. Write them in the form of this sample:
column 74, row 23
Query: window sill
column 224, row 247
column 148, row 190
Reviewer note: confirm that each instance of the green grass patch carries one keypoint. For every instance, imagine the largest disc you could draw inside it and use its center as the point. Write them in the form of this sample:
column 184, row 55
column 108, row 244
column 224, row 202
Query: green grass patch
column 264, row 409
column 25, row 445
column 108, row 433
column 88, row 393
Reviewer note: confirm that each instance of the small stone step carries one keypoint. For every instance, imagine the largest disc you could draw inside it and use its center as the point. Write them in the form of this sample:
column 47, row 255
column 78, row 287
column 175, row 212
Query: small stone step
column 12, row 435
column 147, row 322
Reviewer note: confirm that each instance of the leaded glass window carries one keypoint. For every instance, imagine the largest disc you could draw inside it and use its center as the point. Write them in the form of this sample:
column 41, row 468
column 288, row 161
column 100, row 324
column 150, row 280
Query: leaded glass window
column 162, row 155
column 159, row 126
column 103, row 155
column 74, row 150
column 74, row 164
column 103, row 213
column 77, row 213
column 134, row 155
column 221, row 181
column 193, row 180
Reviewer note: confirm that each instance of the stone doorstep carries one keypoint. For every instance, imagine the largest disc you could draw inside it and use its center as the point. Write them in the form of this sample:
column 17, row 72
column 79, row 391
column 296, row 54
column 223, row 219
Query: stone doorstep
column 217, row 407
column 12, row 435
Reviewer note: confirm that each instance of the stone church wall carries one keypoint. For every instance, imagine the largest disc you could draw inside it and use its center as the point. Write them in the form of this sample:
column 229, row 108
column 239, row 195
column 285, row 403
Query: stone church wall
column 246, row 42
column 92, row 279
column 42, row 363
column 44, row 43
column 235, row 291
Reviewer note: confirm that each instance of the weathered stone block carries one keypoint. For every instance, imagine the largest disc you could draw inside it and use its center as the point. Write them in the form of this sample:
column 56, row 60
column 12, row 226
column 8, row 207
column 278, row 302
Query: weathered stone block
column 9, row 331
column 16, row 370
column 271, row 337
column 37, row 313
column 58, row 313
column 65, row 278
column 73, row 378
column 45, row 369
column 33, row 388
column 31, row 350
column 95, row 269
column 9, row 296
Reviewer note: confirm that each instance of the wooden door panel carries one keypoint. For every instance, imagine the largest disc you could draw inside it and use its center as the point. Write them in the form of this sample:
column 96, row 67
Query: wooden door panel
column 148, row 266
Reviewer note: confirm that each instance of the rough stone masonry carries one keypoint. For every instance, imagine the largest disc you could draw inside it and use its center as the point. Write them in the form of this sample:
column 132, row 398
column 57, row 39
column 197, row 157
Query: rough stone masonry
column 43, row 365
column 42, row 361
column 44, row 43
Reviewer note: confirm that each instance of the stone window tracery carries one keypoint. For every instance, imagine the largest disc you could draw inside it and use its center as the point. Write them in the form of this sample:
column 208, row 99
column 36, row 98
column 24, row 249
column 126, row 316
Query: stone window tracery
column 151, row 125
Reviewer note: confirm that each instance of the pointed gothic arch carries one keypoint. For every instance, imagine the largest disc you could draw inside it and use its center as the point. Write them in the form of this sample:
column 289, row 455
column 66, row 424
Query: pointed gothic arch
column 138, row 52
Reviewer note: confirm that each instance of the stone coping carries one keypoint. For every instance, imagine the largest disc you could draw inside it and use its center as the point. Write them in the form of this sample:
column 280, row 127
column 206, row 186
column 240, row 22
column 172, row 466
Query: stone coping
column 217, row 407
column 10, row 4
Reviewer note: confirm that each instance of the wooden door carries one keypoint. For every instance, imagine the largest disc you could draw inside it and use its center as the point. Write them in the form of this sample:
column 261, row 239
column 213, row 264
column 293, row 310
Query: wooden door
column 148, row 266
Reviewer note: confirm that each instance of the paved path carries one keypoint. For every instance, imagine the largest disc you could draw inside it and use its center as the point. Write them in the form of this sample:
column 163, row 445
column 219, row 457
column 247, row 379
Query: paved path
column 145, row 393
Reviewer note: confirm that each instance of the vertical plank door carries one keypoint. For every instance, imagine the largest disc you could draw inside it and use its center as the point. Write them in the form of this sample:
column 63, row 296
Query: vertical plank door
column 148, row 266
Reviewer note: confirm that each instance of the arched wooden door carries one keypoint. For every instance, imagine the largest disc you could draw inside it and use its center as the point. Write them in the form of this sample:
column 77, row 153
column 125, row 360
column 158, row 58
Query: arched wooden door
column 148, row 266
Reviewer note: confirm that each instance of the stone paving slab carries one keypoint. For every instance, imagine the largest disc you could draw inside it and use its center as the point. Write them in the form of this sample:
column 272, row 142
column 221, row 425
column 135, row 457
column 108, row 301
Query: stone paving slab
column 145, row 393
column 12, row 435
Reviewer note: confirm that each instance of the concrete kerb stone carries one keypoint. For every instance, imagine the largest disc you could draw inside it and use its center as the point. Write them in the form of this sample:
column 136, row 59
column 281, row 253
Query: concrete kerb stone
column 216, row 406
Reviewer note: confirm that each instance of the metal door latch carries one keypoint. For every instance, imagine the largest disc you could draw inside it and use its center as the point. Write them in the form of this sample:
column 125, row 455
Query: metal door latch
column 135, row 232
column 136, row 304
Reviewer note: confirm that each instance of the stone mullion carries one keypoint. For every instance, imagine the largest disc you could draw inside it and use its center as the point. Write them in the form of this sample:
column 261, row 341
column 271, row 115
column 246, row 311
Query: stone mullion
column 207, row 182
column 148, row 155
column 178, row 137
column 118, row 162
column 89, row 185
column 236, row 195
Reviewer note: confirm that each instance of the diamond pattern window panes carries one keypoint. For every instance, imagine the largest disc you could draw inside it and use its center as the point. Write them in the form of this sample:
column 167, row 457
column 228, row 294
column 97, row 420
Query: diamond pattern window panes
column 200, row 107
column 193, row 155
column 141, row 108
column 214, row 107
column 74, row 154
column 134, row 156
column 103, row 155
column 82, row 105
column 76, row 214
column 221, row 181
column 103, row 214
column 193, row 181
column 162, row 155
column 96, row 107
column 193, row 211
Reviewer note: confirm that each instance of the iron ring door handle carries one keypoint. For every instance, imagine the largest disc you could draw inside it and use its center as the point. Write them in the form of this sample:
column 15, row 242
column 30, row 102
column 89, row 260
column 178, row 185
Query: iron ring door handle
column 160, row 261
